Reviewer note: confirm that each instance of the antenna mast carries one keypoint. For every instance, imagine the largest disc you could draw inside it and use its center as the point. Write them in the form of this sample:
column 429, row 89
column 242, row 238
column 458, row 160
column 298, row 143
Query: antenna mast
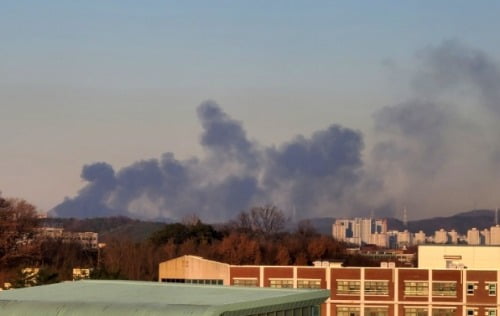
column 405, row 217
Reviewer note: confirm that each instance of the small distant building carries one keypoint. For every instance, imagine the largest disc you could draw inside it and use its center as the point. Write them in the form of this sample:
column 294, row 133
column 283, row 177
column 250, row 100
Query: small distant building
column 485, row 237
column 404, row 238
column 379, row 239
column 419, row 238
column 453, row 237
column 81, row 273
column 50, row 232
column 30, row 276
column 441, row 236
column 495, row 235
column 473, row 237
column 88, row 240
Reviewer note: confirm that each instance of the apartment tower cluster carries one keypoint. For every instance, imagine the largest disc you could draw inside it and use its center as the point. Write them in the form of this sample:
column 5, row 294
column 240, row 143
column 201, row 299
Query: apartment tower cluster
column 361, row 231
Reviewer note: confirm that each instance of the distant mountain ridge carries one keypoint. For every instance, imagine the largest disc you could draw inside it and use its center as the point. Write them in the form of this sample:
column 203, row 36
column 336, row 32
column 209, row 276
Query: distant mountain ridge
column 109, row 227
column 460, row 222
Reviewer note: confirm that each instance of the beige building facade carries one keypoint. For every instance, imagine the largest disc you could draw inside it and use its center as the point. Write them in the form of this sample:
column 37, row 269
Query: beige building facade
column 194, row 270
column 456, row 256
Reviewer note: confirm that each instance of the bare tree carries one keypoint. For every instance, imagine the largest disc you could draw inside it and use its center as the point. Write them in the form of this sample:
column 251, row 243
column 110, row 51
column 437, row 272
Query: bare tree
column 267, row 219
column 17, row 228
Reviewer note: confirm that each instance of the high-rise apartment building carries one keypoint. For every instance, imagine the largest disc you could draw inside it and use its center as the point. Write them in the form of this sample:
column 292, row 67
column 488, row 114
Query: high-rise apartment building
column 404, row 238
column 441, row 236
column 358, row 230
column 495, row 235
column 485, row 237
column 453, row 236
column 473, row 237
column 379, row 239
column 419, row 238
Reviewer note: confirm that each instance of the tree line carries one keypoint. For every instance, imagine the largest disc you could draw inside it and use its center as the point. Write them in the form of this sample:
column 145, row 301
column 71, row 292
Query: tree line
column 256, row 236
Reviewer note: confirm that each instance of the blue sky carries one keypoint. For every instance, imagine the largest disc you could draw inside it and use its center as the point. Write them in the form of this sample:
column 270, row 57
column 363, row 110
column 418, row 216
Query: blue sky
column 119, row 81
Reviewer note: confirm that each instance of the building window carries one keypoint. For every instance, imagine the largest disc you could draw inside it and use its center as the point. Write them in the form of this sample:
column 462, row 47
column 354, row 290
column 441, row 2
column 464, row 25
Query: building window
column 376, row 311
column 471, row 312
column 492, row 288
column 416, row 311
column 470, row 288
column 444, row 289
column 348, row 287
column 308, row 284
column 245, row 282
column 443, row 312
column 416, row 288
column 491, row 312
column 377, row 287
column 281, row 283
column 348, row 311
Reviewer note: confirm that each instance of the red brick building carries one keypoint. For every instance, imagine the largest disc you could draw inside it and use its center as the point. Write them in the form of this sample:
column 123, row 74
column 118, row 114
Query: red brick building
column 373, row 291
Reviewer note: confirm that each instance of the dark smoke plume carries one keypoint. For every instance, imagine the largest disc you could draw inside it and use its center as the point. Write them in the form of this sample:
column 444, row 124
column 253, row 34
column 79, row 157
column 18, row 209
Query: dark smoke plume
column 438, row 152
column 234, row 175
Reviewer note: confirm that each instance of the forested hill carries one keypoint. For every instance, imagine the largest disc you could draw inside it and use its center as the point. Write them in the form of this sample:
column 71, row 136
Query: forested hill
column 140, row 230
column 108, row 227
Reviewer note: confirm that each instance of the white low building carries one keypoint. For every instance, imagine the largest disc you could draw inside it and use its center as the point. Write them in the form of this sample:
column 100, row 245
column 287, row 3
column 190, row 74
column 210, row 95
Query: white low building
column 459, row 257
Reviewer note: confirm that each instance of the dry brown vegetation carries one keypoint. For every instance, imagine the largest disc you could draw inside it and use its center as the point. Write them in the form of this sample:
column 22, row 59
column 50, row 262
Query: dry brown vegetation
column 253, row 237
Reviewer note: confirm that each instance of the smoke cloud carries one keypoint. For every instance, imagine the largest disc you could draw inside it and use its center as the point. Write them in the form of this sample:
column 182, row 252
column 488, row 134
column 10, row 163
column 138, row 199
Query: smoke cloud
column 435, row 153
column 234, row 175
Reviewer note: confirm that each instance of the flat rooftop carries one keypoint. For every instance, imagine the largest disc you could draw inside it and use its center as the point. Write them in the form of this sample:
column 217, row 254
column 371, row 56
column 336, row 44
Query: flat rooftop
column 92, row 297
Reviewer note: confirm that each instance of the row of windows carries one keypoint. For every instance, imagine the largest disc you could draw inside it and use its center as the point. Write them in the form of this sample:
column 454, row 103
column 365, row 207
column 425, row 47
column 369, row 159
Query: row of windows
column 194, row 281
column 491, row 287
column 245, row 282
column 416, row 288
column 308, row 284
column 380, row 287
column 411, row 311
column 280, row 283
column 373, row 287
column 304, row 311
column 377, row 287
column 411, row 288
column 444, row 289
column 474, row 312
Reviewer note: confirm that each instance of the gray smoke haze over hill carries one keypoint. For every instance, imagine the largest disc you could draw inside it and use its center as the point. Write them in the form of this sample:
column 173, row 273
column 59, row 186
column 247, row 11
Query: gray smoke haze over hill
column 436, row 153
